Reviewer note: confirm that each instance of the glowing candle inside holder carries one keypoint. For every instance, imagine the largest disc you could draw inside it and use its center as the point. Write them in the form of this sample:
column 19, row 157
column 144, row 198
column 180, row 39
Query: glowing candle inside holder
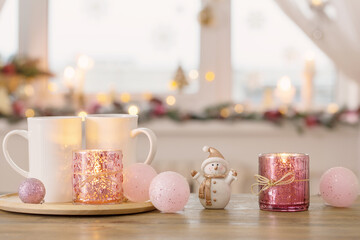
column 283, row 182
column 97, row 176
column 285, row 91
column 307, row 86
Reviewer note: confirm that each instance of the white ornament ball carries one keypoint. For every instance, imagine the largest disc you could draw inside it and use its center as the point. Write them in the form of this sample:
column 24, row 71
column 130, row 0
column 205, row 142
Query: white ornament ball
column 169, row 192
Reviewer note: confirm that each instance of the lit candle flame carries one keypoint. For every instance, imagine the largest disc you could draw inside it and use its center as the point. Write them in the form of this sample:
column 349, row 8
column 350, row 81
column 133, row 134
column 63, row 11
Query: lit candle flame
column 285, row 91
column 283, row 157
column 284, row 84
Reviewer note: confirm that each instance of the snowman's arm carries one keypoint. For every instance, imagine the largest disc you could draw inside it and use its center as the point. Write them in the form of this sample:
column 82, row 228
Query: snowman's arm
column 230, row 178
column 199, row 178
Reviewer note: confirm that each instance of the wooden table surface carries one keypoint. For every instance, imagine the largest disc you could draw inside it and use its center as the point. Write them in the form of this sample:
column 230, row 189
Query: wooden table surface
column 242, row 219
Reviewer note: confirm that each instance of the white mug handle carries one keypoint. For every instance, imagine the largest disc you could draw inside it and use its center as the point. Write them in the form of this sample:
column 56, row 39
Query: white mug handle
column 22, row 133
column 152, row 139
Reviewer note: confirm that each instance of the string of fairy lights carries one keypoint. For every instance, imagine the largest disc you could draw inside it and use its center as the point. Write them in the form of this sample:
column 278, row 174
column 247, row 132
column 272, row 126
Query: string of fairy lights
column 152, row 107
column 74, row 81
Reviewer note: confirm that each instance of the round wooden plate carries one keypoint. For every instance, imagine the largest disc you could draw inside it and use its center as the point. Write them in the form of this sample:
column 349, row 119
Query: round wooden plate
column 12, row 203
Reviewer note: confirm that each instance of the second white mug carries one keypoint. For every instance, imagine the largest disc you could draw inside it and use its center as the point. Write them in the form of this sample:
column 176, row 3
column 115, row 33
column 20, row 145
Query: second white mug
column 117, row 131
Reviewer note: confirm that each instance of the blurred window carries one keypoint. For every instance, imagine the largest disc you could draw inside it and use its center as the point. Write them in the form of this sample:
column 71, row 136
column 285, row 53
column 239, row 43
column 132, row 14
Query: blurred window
column 267, row 45
column 135, row 45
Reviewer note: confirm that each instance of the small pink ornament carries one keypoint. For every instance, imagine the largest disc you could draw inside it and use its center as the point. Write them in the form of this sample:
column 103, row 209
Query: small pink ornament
column 339, row 187
column 32, row 190
column 169, row 192
column 137, row 179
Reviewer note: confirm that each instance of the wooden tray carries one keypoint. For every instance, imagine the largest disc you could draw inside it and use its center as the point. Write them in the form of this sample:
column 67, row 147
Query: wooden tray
column 12, row 203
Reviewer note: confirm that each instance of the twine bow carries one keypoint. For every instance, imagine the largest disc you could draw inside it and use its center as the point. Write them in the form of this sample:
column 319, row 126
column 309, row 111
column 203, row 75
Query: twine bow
column 268, row 183
column 91, row 177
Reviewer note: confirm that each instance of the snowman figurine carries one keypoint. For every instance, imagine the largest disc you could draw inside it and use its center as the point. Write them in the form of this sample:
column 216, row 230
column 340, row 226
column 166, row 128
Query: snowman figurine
column 214, row 180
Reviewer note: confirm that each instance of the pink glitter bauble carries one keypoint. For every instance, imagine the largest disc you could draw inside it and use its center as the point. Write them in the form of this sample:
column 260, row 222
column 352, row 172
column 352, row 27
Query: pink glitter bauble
column 137, row 179
column 339, row 187
column 32, row 190
column 169, row 192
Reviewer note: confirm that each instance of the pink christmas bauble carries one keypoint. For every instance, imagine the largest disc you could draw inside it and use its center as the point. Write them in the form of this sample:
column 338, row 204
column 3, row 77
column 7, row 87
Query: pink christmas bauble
column 339, row 187
column 137, row 179
column 169, row 192
column 32, row 190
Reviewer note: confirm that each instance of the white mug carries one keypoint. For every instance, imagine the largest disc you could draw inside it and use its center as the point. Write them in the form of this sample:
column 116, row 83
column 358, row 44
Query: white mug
column 51, row 142
column 117, row 131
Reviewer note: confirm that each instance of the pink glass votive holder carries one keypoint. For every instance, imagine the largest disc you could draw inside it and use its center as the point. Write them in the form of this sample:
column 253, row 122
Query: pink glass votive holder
column 285, row 182
column 97, row 176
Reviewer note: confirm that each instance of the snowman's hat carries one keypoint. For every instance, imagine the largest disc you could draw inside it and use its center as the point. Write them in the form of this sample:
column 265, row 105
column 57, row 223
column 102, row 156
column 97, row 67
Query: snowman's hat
column 214, row 157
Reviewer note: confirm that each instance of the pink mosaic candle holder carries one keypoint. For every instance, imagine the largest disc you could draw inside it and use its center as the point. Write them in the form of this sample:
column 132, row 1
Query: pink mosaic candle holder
column 97, row 177
column 285, row 182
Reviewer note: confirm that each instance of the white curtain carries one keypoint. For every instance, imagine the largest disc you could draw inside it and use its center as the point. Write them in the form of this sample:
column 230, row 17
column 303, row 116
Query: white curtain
column 1, row 4
column 334, row 26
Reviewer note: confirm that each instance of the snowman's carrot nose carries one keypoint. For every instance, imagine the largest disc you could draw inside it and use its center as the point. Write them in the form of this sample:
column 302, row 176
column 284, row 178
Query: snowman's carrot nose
column 216, row 168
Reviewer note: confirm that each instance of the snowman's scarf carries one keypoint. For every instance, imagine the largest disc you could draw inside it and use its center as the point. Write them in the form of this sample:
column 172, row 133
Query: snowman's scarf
column 205, row 187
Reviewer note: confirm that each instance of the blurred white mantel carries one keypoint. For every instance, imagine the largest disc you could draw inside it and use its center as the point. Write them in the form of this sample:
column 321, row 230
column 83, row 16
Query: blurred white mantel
column 180, row 148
